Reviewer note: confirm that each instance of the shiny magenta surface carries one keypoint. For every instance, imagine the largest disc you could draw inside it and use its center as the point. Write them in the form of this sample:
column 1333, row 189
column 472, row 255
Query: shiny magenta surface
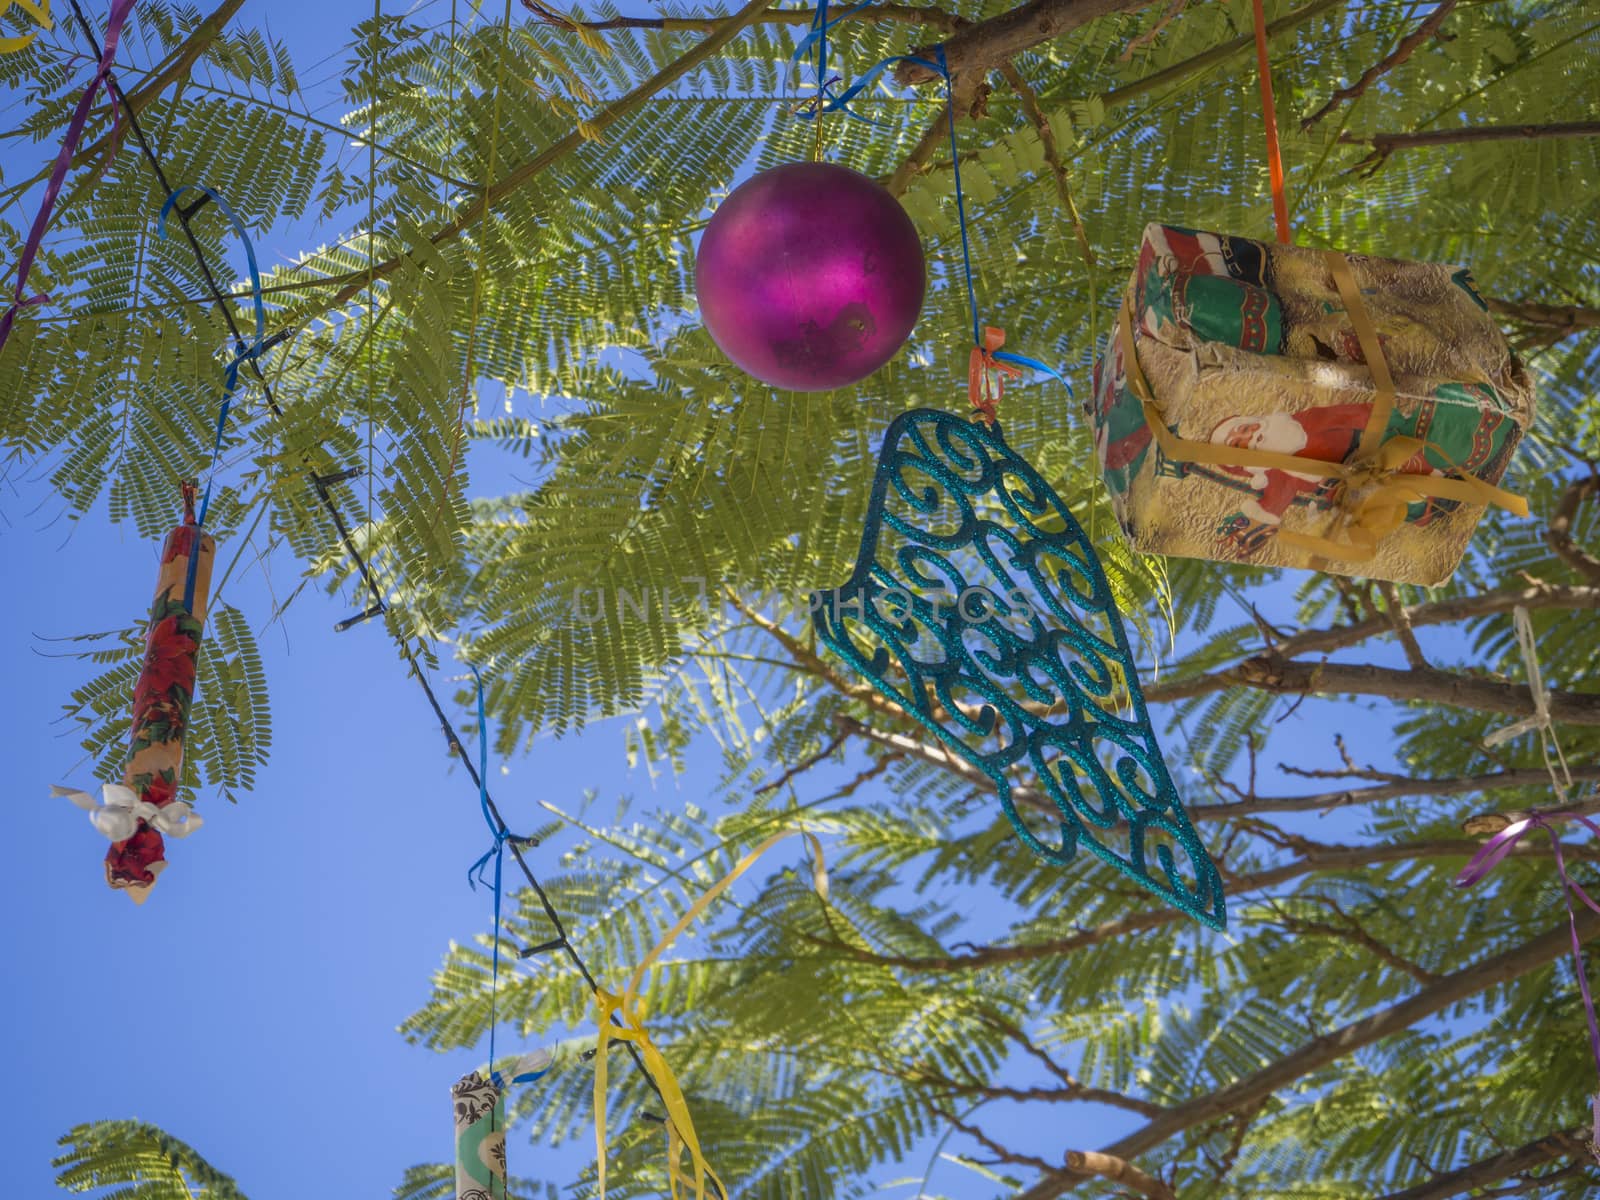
column 810, row 276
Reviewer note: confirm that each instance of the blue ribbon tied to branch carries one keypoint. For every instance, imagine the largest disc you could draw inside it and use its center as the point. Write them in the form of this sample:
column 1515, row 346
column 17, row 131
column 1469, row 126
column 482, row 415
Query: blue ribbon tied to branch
column 987, row 359
column 530, row 1066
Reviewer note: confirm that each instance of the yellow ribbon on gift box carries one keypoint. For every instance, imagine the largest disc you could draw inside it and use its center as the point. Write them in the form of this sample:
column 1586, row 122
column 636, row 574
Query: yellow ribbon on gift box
column 1373, row 492
column 680, row 1126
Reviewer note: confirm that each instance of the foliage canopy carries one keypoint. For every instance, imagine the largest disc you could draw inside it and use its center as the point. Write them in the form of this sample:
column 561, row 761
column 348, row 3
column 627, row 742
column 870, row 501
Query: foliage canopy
column 655, row 471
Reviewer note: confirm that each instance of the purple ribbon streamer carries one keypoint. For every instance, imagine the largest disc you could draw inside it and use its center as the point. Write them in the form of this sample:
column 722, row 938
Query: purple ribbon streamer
column 58, row 174
column 1494, row 853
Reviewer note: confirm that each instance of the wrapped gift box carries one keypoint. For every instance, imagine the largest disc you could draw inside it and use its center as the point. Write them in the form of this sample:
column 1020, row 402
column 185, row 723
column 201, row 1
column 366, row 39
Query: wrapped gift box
column 1303, row 408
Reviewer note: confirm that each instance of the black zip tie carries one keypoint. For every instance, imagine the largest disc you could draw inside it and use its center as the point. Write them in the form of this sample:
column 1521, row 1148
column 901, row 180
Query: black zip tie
column 407, row 655
column 553, row 944
column 653, row 1118
column 327, row 481
column 190, row 211
column 282, row 335
column 377, row 610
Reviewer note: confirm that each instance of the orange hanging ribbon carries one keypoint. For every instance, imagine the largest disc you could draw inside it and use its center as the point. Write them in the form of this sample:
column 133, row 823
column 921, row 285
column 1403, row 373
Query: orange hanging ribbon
column 979, row 368
column 1269, row 117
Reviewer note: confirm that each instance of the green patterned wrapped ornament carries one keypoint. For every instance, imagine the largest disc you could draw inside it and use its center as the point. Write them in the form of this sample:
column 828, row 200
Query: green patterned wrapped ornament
column 480, row 1139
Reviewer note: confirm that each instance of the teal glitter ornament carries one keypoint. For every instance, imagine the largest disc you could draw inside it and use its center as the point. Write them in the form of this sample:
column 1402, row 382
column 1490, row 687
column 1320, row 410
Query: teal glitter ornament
column 978, row 606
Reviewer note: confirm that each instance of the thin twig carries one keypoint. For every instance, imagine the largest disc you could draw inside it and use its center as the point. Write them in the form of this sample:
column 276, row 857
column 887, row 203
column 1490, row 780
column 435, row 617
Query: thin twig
column 987, row 44
column 1394, row 790
column 1350, row 930
column 993, row 1147
column 1109, row 1166
column 1395, row 610
column 803, row 766
column 1149, row 37
column 1052, row 156
column 1214, row 56
column 1558, row 536
column 1389, row 62
column 1316, row 859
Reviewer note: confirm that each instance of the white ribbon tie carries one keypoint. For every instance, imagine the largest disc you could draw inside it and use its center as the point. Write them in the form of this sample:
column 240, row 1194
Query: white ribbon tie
column 1562, row 781
column 119, row 814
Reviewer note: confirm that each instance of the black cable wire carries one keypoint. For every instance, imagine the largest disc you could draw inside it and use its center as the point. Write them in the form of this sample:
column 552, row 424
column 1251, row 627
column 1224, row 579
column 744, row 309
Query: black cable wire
column 332, row 508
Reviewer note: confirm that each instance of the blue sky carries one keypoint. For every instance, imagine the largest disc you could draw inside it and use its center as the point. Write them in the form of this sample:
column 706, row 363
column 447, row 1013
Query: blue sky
column 250, row 1007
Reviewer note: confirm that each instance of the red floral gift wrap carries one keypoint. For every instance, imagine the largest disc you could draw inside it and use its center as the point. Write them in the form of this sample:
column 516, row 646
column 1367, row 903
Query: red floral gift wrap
column 135, row 813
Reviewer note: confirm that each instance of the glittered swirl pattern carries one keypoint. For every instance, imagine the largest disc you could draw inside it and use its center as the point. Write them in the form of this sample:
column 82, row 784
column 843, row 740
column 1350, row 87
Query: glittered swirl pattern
column 978, row 606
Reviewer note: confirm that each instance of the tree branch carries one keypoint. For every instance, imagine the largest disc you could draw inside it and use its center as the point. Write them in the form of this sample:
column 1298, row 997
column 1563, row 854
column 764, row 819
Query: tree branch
column 928, row 752
column 1351, row 931
column 1564, row 319
column 1252, row 805
column 1551, row 1148
column 987, row 44
column 1559, row 534
column 1321, row 1052
column 1215, row 55
column 1109, row 1166
column 1316, row 858
column 1248, row 806
column 178, row 64
column 802, row 766
column 1072, row 1089
column 1271, row 672
column 1385, row 144
column 1000, row 1152
column 965, row 92
column 807, row 660
column 174, row 67
column 898, row 14
column 1489, row 824
column 1052, row 156
column 1389, row 62
column 474, row 210
column 1440, row 612
column 1395, row 613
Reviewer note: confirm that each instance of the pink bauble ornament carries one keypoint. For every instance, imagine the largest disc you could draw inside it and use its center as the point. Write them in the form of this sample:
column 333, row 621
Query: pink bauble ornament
column 810, row 276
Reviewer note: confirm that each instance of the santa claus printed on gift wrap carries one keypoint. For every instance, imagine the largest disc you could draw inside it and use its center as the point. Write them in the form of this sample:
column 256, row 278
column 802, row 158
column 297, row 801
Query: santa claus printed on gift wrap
column 1329, row 434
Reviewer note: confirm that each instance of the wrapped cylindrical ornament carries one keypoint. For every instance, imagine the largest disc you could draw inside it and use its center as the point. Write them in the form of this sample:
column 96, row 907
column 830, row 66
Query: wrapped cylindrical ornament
column 480, row 1138
column 163, row 695
column 136, row 813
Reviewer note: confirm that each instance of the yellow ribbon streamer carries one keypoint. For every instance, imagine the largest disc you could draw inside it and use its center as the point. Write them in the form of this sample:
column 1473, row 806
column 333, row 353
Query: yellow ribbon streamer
column 40, row 12
column 1373, row 492
column 680, row 1126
